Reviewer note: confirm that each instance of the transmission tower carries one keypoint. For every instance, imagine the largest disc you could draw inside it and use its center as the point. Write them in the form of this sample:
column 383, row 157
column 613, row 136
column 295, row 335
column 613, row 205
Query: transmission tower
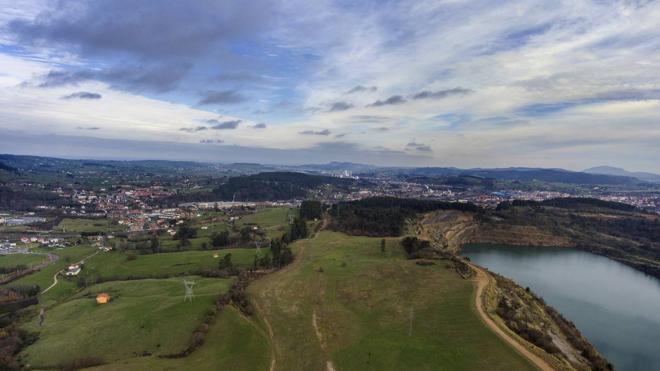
column 189, row 290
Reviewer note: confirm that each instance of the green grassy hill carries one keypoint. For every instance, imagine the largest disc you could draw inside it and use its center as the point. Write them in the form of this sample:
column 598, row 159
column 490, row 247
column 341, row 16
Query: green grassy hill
column 345, row 302
column 144, row 317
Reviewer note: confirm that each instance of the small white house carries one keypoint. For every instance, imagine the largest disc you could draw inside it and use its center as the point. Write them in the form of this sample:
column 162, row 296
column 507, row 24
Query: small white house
column 73, row 270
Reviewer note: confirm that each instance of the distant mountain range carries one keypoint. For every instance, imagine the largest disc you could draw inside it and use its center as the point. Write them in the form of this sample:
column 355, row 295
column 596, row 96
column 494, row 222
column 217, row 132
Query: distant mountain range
column 604, row 175
column 522, row 174
column 610, row 170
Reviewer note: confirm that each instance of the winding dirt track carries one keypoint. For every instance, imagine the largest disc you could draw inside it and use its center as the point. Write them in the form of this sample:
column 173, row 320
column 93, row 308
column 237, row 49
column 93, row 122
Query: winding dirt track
column 482, row 280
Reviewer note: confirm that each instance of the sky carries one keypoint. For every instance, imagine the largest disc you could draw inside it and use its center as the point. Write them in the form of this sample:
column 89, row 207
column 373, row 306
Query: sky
column 569, row 84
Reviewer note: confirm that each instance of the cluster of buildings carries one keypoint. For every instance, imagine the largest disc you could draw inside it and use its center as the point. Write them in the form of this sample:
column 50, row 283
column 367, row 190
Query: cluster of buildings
column 7, row 219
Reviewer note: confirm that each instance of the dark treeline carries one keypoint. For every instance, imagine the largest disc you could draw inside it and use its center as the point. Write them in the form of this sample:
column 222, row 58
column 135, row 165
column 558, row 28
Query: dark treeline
column 568, row 202
column 274, row 186
column 25, row 200
column 386, row 216
column 267, row 186
column 310, row 210
column 12, row 337
column 6, row 167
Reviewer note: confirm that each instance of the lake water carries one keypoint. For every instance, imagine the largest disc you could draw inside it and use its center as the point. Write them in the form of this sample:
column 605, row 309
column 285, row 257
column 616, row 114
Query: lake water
column 616, row 307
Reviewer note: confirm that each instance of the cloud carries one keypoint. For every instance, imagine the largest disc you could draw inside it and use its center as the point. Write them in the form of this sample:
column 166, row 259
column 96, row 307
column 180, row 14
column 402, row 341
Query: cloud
column 260, row 125
column 441, row 93
column 362, row 89
column 211, row 141
column 195, row 129
column 340, row 106
column 395, row 99
column 221, row 97
column 382, row 128
column 239, row 77
column 367, row 118
column 323, row 132
column 418, row 147
column 161, row 77
column 225, row 125
column 144, row 29
column 82, row 95
column 88, row 128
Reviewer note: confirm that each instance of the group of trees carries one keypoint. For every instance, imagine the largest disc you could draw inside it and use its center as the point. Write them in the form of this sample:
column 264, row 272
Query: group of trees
column 184, row 233
column 568, row 202
column 274, row 186
column 297, row 231
column 220, row 239
column 413, row 245
column 12, row 337
column 310, row 210
column 17, row 199
column 385, row 216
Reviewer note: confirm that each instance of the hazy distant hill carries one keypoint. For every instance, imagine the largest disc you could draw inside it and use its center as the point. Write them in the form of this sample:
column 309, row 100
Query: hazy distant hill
column 337, row 166
column 610, row 170
column 520, row 174
column 276, row 186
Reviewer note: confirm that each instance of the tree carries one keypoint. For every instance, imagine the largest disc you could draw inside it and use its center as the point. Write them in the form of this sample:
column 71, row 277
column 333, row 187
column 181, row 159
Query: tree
column 298, row 229
column 246, row 233
column 310, row 210
column 155, row 244
column 220, row 239
column 225, row 262
column 185, row 232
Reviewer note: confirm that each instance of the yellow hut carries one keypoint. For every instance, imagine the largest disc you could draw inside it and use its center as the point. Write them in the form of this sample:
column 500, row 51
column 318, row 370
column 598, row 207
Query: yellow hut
column 102, row 298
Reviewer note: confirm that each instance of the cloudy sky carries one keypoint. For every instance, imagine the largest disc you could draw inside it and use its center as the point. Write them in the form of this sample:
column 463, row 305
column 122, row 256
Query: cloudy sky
column 567, row 84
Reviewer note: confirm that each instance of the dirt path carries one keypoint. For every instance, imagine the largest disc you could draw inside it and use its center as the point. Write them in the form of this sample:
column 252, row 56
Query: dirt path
column 55, row 281
column 328, row 364
column 264, row 314
column 482, row 280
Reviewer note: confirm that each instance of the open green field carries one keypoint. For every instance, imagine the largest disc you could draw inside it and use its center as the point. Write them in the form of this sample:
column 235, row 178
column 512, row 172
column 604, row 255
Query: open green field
column 344, row 302
column 233, row 342
column 28, row 260
column 115, row 265
column 89, row 225
column 274, row 220
column 44, row 277
column 144, row 317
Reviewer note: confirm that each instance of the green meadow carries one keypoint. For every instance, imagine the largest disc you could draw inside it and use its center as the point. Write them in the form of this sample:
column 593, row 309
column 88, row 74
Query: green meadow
column 347, row 303
column 28, row 260
column 117, row 264
column 144, row 317
column 89, row 225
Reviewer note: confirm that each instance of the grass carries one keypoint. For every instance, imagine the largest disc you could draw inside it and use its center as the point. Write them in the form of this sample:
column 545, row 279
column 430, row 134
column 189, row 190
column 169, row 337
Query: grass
column 233, row 342
column 115, row 264
column 374, row 311
column 144, row 317
column 44, row 277
column 28, row 260
column 88, row 225
column 273, row 220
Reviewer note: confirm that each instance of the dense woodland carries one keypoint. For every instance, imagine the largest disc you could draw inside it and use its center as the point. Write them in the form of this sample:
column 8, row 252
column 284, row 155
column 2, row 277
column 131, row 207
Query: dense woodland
column 13, row 199
column 568, row 202
column 615, row 230
column 386, row 216
column 275, row 186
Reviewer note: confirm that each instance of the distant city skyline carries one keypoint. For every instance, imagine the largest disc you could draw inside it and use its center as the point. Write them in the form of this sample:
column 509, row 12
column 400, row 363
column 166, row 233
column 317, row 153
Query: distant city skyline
column 568, row 84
